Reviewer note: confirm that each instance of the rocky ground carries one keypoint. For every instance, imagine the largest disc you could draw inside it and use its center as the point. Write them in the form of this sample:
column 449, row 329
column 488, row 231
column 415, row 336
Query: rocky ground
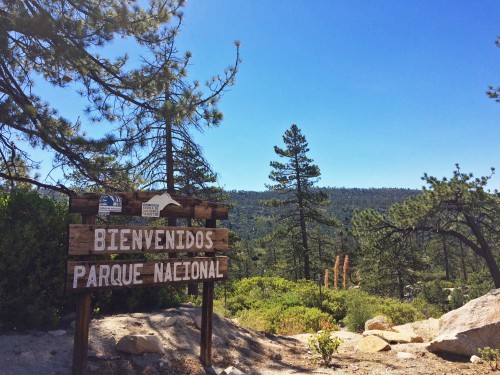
column 248, row 351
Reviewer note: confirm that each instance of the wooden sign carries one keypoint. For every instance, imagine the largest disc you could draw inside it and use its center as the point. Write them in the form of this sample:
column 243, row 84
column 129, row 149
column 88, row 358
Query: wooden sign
column 87, row 240
column 94, row 275
column 92, row 239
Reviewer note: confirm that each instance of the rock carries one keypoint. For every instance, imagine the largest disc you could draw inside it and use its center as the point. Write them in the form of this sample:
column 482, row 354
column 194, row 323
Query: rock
column 197, row 320
column 170, row 321
column 140, row 344
column 276, row 356
column 372, row 344
column 474, row 325
column 66, row 320
column 408, row 330
column 390, row 337
column 57, row 333
column 231, row 370
column 404, row 355
column 476, row 359
column 379, row 322
column 427, row 329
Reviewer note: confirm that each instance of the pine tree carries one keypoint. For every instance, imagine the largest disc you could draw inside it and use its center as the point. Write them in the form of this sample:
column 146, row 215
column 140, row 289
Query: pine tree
column 172, row 106
column 458, row 208
column 294, row 181
column 64, row 43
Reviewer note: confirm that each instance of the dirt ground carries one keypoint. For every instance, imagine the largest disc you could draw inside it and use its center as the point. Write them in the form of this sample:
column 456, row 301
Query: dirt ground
column 251, row 352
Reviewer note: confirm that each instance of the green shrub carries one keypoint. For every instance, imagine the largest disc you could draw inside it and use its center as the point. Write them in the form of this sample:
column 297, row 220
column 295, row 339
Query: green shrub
column 300, row 319
column 33, row 260
column 434, row 293
column 255, row 292
column 360, row 307
column 308, row 293
column 492, row 356
column 426, row 309
column 457, row 299
column 324, row 344
column 260, row 319
column 399, row 312
column 480, row 283
column 334, row 303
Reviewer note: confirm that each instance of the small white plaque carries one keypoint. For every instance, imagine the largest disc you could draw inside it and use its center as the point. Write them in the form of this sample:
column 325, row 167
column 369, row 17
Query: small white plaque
column 152, row 207
column 109, row 203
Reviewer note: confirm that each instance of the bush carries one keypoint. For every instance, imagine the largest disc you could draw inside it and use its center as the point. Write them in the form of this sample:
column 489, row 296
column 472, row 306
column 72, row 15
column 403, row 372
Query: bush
column 324, row 344
column 255, row 292
column 457, row 299
column 308, row 293
column 360, row 307
column 434, row 293
column 260, row 319
column 33, row 267
column 300, row 319
column 334, row 303
column 480, row 283
column 399, row 312
column 426, row 309
column 492, row 356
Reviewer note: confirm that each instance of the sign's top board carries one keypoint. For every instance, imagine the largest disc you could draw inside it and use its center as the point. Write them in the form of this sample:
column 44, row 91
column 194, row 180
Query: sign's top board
column 132, row 205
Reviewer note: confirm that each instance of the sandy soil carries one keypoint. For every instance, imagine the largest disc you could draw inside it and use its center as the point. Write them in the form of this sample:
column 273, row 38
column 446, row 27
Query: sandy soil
column 251, row 352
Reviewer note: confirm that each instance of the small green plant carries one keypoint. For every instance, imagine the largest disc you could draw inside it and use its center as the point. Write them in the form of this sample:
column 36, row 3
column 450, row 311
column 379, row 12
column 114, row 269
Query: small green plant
column 324, row 344
column 492, row 356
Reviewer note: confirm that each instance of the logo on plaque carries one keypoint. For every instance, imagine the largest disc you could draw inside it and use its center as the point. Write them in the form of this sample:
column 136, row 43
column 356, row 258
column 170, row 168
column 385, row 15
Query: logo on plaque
column 109, row 203
column 152, row 207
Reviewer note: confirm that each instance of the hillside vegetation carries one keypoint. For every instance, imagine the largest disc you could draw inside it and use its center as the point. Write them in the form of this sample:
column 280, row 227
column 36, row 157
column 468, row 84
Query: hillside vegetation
column 250, row 219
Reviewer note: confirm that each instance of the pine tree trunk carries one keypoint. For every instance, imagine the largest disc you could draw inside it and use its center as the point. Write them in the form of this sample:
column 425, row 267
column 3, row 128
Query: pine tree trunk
column 462, row 262
column 446, row 259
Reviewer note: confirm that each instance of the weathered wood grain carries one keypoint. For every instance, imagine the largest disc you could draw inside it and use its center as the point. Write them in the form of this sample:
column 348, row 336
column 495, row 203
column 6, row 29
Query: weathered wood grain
column 115, row 239
column 88, row 204
column 144, row 273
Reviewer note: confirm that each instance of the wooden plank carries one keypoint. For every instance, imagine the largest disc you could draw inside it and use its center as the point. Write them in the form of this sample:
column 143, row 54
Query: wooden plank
column 82, row 323
column 114, row 239
column 207, row 314
column 81, row 339
column 88, row 204
column 99, row 275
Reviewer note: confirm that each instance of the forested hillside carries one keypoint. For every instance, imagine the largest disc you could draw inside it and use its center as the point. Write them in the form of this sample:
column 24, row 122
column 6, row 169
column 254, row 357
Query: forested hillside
column 250, row 219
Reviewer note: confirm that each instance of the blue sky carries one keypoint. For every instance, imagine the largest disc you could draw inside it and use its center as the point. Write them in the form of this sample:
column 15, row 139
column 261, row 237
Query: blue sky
column 383, row 90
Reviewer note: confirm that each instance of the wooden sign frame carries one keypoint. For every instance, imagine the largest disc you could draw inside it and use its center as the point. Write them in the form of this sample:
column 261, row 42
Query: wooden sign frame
column 87, row 240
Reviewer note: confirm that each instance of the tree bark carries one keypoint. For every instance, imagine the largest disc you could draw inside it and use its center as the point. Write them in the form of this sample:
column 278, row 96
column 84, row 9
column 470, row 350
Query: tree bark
column 446, row 259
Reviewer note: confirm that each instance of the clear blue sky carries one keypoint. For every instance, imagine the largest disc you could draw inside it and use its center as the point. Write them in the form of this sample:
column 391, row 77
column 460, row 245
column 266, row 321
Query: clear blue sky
column 383, row 90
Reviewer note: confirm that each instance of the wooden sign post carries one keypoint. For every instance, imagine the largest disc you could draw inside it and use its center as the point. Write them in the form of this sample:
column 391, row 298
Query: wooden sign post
column 87, row 240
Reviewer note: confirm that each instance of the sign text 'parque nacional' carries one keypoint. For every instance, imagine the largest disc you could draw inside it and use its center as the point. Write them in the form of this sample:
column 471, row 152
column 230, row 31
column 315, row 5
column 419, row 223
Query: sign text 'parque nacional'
column 137, row 273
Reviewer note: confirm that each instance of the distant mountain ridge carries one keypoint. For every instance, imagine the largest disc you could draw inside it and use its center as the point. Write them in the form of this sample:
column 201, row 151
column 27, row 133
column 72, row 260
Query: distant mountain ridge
column 250, row 219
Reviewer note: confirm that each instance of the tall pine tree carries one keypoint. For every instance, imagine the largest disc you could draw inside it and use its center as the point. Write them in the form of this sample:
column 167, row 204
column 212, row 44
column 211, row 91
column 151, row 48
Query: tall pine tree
column 294, row 181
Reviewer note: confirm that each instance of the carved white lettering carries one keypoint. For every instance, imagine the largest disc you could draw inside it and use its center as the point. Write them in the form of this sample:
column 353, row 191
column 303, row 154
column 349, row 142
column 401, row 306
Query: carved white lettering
column 78, row 273
column 99, row 242
column 124, row 239
column 137, row 273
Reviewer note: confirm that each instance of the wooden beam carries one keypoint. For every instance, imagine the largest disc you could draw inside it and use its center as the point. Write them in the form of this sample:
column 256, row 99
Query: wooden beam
column 207, row 314
column 82, row 323
column 88, row 204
